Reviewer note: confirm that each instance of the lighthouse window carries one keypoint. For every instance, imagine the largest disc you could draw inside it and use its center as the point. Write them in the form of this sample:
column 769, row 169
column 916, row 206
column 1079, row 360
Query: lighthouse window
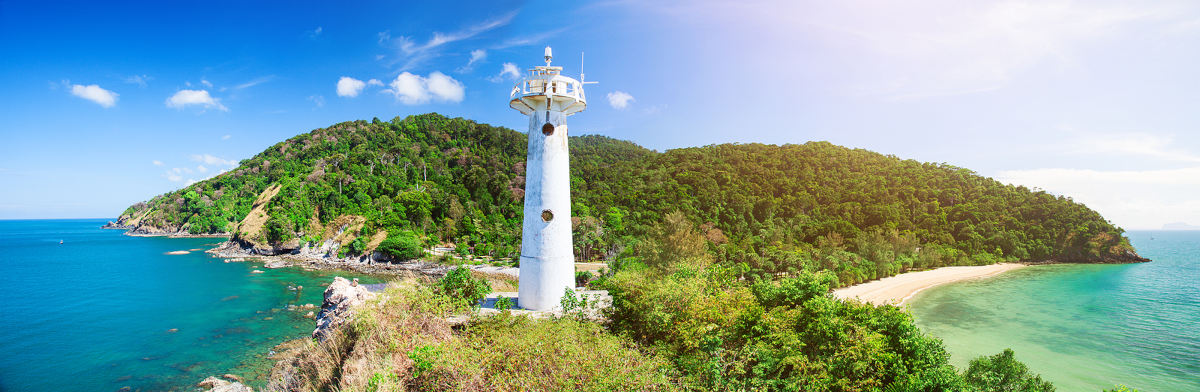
column 547, row 215
column 548, row 129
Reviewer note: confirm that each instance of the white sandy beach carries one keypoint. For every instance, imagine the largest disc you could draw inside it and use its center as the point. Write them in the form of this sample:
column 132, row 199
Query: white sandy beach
column 899, row 289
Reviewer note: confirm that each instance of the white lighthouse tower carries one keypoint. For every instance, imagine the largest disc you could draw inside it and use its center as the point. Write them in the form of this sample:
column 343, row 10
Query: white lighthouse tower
column 547, row 258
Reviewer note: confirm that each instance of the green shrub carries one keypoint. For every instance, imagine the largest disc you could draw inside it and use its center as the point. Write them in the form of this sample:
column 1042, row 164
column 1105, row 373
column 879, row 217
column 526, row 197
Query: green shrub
column 461, row 286
column 402, row 245
column 1002, row 372
column 356, row 247
column 504, row 303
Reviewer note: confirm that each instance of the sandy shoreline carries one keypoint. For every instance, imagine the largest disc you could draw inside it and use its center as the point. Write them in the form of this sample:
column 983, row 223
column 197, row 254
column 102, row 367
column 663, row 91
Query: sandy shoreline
column 898, row 289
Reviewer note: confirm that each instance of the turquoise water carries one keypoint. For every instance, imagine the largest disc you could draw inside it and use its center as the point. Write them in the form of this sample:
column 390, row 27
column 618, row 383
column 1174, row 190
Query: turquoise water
column 1084, row 327
column 94, row 313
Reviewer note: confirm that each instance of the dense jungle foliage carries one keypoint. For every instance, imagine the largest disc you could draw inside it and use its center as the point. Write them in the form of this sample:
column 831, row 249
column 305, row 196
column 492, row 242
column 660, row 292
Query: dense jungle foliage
column 766, row 209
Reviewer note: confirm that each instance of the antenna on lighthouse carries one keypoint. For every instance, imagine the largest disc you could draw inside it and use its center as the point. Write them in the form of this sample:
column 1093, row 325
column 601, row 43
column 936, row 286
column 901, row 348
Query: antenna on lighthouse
column 583, row 76
column 548, row 56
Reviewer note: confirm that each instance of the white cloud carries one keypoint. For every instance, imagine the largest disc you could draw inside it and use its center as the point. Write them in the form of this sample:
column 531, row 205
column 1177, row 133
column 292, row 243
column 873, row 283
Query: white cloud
column 374, row 82
column 206, row 83
column 313, row 34
column 507, row 71
column 212, row 160
column 184, row 98
column 413, row 89
column 414, row 53
column 1134, row 199
column 252, row 83
column 619, row 99
column 226, row 137
column 140, row 80
column 445, row 88
column 318, row 100
column 208, row 167
column 904, row 51
column 95, row 94
column 349, row 87
column 1134, row 144
column 477, row 55
column 538, row 38
column 157, row 162
column 176, row 174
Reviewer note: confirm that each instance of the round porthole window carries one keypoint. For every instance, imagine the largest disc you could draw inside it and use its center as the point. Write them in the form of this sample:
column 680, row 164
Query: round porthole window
column 547, row 215
column 548, row 129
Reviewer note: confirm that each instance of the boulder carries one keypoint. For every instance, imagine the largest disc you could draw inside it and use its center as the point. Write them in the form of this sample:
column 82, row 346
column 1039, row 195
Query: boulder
column 340, row 298
column 214, row 384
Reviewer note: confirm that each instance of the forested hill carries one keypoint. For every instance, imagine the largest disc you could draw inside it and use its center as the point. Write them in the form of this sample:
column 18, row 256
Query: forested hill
column 764, row 208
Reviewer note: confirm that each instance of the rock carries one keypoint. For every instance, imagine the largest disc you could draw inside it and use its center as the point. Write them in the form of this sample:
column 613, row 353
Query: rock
column 214, row 384
column 340, row 299
column 276, row 264
column 232, row 377
column 173, row 330
column 309, row 315
column 256, row 272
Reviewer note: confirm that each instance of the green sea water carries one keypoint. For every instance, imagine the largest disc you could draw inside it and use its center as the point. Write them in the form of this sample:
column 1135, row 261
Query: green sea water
column 103, row 311
column 1084, row 327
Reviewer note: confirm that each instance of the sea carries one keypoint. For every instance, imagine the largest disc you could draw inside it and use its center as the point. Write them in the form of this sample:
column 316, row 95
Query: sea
column 1083, row 327
column 89, row 309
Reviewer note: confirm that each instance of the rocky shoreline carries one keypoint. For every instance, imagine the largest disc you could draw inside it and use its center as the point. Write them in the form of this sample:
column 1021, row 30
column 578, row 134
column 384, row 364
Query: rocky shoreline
column 150, row 231
column 371, row 264
column 1129, row 257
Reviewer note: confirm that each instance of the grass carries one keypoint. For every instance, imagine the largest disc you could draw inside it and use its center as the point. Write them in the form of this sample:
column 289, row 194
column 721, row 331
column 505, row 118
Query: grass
column 514, row 353
column 403, row 342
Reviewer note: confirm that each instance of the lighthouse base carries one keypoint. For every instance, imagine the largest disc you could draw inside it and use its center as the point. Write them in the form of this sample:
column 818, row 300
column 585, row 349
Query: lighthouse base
column 543, row 282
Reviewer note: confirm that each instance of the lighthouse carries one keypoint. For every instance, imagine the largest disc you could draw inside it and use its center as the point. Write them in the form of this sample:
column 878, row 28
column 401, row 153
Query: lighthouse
column 547, row 257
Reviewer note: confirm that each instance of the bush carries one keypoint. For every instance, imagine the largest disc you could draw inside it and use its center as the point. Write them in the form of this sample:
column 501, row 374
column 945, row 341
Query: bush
column 459, row 285
column 402, row 245
column 504, row 303
column 1002, row 372
column 356, row 247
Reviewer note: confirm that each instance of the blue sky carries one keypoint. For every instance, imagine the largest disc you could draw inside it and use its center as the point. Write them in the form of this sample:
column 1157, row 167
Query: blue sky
column 108, row 104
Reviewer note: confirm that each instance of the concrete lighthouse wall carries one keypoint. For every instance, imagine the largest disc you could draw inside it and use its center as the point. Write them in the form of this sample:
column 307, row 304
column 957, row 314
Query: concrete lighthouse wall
column 547, row 259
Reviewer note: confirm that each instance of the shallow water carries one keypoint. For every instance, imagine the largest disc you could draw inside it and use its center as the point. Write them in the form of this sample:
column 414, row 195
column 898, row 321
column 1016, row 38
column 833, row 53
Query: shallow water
column 1084, row 327
column 104, row 311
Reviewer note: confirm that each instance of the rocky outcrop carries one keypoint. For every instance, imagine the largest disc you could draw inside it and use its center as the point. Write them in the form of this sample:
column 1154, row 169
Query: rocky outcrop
column 214, row 384
column 340, row 299
column 1126, row 257
column 116, row 226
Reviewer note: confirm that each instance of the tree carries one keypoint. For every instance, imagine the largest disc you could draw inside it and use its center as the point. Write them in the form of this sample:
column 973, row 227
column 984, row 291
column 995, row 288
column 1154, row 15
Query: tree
column 460, row 285
column 1003, row 373
column 402, row 245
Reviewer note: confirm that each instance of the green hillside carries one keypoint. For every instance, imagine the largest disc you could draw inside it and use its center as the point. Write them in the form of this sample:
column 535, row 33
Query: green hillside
column 764, row 209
